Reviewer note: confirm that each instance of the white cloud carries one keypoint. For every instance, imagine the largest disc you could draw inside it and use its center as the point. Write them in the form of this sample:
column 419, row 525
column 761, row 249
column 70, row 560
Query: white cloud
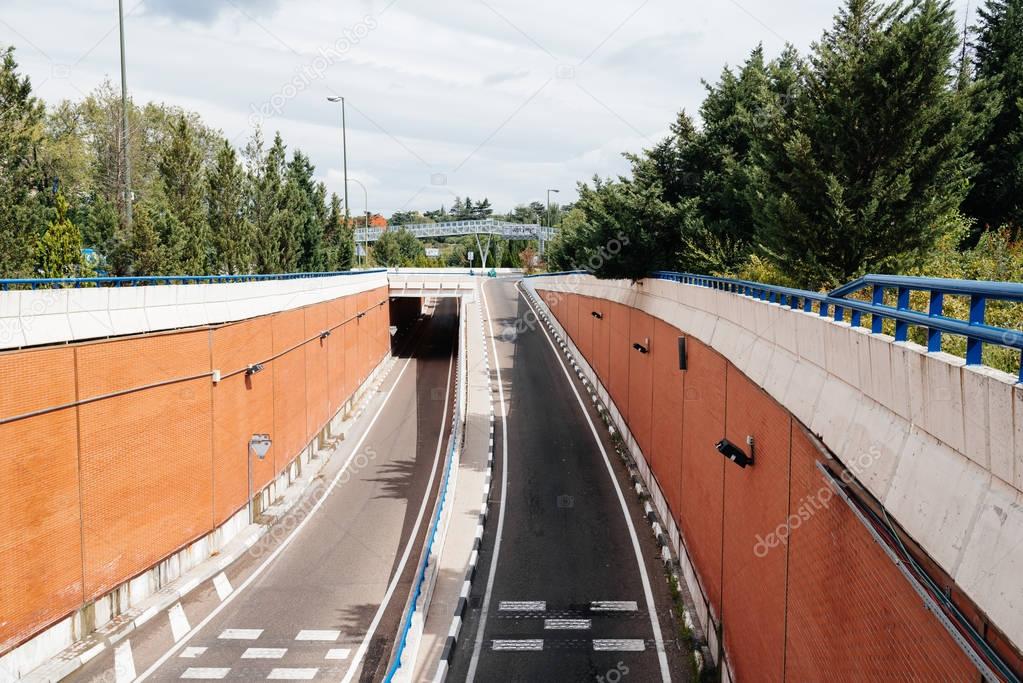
column 504, row 98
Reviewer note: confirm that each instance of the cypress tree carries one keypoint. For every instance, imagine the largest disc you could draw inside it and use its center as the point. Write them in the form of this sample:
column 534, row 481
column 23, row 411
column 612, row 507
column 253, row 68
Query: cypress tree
column 229, row 227
column 996, row 198
column 874, row 160
column 59, row 251
column 181, row 177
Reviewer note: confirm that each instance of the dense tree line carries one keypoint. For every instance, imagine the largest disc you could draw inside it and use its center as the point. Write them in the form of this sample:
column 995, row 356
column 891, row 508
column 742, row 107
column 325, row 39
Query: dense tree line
column 862, row 156
column 199, row 207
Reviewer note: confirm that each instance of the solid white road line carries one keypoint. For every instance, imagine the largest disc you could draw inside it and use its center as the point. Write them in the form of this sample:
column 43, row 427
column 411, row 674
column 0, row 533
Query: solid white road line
column 322, row 635
column 364, row 645
column 522, row 606
column 205, row 673
column 222, row 585
column 178, row 622
column 338, row 653
column 292, row 674
column 124, row 662
column 517, row 645
column 264, row 653
column 192, row 652
column 619, row 645
column 566, row 624
column 499, row 532
column 240, row 633
column 286, row 542
column 613, row 606
column 648, row 594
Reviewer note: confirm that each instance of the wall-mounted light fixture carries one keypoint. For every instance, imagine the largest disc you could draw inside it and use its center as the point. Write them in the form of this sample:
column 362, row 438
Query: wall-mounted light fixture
column 253, row 369
column 643, row 347
column 324, row 334
column 598, row 315
column 736, row 454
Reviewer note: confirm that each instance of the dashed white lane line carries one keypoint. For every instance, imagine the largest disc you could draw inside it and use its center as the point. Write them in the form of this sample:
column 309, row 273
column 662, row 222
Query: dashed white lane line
column 619, row 645
column 289, row 539
column 522, row 606
column 222, row 585
column 614, row 606
column 240, row 633
column 338, row 653
column 566, row 624
column 192, row 652
column 517, row 645
column 292, row 674
column 320, row 635
column 124, row 663
column 178, row 621
column 205, row 673
column 264, row 653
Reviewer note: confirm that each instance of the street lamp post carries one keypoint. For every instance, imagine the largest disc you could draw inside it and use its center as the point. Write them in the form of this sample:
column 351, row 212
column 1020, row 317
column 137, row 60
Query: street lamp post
column 259, row 445
column 344, row 148
column 124, row 121
column 550, row 220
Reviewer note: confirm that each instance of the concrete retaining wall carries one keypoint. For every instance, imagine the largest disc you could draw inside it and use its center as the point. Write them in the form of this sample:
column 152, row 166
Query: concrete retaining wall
column 945, row 440
column 127, row 456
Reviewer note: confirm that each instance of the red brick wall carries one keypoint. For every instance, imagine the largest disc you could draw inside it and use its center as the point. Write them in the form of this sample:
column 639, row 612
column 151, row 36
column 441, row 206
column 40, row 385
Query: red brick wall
column 825, row 603
column 139, row 476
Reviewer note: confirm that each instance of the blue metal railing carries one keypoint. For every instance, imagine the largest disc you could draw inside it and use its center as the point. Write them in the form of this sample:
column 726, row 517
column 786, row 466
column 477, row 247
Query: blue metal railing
column 975, row 330
column 836, row 303
column 78, row 282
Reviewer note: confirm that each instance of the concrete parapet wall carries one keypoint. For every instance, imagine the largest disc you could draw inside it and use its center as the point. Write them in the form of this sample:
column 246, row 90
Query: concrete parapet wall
column 51, row 316
column 945, row 441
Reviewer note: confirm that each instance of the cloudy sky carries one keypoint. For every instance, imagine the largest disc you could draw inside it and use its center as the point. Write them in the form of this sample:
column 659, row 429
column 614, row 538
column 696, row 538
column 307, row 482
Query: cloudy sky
column 502, row 98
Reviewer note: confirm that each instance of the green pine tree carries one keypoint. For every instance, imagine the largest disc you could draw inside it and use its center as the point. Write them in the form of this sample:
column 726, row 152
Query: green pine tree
column 23, row 216
column 310, row 218
column 59, row 251
column 181, row 176
column 229, row 228
column 996, row 198
column 874, row 160
column 338, row 238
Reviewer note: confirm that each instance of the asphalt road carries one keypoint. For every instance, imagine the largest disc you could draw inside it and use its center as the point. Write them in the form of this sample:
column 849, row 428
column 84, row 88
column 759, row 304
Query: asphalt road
column 576, row 590
column 326, row 604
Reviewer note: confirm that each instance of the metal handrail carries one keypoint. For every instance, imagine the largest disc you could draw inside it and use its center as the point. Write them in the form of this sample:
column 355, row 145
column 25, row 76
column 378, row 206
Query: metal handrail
column 976, row 330
column 78, row 282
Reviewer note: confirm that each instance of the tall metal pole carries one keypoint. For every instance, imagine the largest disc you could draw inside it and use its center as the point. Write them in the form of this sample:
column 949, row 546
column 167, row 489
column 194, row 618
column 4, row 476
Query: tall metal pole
column 124, row 122
column 344, row 152
column 550, row 220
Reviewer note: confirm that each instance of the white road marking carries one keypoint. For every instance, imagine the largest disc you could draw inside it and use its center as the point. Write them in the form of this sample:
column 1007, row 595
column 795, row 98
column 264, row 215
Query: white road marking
column 614, row 606
column 222, row 585
column 566, row 624
column 192, row 652
column 517, row 645
column 292, row 674
column 338, row 653
column 286, row 542
column 240, row 633
column 264, row 653
column 364, row 645
column 662, row 658
column 499, row 532
column 124, row 662
column 323, row 635
column 178, row 621
column 522, row 606
column 205, row 673
column 619, row 645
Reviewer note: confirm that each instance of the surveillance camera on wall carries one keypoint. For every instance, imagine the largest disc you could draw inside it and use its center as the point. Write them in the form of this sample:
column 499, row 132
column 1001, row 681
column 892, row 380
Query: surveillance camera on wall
column 734, row 453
